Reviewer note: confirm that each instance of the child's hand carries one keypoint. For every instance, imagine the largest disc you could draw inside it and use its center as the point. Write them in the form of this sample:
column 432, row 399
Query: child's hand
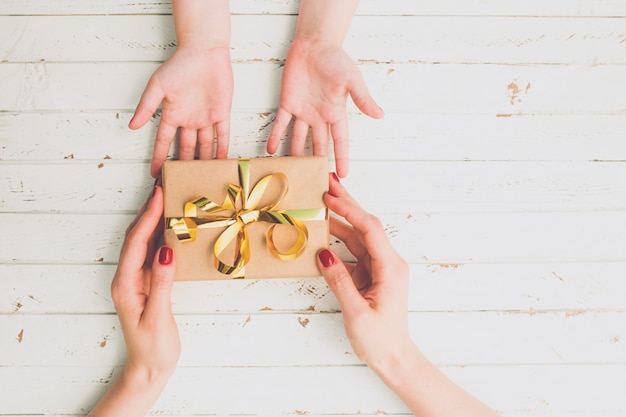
column 196, row 88
column 316, row 82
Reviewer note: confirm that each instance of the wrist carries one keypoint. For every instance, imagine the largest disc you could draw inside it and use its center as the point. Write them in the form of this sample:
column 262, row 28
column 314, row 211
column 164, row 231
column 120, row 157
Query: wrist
column 325, row 21
column 145, row 379
column 317, row 39
column 198, row 43
column 400, row 365
column 133, row 393
column 201, row 24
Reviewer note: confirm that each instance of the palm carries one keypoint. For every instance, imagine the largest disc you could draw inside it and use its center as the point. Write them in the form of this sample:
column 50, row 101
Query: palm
column 195, row 88
column 315, row 85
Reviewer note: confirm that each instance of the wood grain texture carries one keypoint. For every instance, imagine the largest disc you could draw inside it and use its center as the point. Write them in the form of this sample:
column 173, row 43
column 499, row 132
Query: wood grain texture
column 531, row 8
column 435, row 287
column 318, row 339
column 499, row 90
column 98, row 136
column 498, row 173
column 195, row 390
column 266, row 38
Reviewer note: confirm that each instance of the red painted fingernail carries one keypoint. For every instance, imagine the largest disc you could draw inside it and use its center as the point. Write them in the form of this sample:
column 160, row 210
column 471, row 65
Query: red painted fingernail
column 326, row 258
column 166, row 255
column 335, row 177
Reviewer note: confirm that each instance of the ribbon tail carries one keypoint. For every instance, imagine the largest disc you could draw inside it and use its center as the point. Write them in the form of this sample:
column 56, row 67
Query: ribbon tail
column 241, row 257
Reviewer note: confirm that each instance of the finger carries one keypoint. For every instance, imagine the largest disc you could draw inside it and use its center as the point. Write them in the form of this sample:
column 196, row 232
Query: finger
column 205, row 142
column 127, row 287
column 340, row 283
column 164, row 137
column 222, row 131
column 298, row 137
column 319, row 135
column 143, row 207
column 339, row 132
column 136, row 243
column 283, row 118
column 362, row 98
column 141, row 210
column 348, row 236
column 373, row 236
column 158, row 305
column 148, row 104
column 187, row 145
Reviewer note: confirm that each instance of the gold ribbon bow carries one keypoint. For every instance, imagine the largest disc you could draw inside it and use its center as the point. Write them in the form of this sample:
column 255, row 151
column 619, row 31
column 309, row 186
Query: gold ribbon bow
column 242, row 204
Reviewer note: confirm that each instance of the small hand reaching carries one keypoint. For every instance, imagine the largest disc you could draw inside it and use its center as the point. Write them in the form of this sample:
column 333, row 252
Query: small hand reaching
column 196, row 89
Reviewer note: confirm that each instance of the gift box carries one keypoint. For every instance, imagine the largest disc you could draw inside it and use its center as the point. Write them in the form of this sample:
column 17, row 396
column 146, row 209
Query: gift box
column 246, row 218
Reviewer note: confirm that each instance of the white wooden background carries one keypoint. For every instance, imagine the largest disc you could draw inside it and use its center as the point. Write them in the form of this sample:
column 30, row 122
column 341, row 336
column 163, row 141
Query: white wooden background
column 499, row 171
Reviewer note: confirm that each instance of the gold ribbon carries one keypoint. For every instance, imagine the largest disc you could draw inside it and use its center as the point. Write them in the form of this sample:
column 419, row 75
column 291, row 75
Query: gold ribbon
column 241, row 203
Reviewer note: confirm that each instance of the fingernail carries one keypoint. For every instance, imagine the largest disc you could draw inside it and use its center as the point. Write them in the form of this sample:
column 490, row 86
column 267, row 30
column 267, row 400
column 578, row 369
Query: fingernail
column 326, row 258
column 154, row 191
column 165, row 255
column 156, row 180
column 335, row 177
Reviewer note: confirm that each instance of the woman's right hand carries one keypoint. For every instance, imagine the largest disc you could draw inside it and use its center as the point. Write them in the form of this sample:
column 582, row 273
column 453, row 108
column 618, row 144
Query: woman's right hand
column 373, row 296
column 373, row 292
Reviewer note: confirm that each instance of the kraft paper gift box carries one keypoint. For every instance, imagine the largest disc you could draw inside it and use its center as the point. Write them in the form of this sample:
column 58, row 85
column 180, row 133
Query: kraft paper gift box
column 246, row 218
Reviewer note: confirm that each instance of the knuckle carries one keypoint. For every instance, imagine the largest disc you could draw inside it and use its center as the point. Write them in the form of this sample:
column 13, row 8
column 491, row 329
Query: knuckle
column 185, row 148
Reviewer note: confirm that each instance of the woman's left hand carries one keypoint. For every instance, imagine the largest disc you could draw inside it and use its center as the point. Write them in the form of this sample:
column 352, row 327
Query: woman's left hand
column 141, row 293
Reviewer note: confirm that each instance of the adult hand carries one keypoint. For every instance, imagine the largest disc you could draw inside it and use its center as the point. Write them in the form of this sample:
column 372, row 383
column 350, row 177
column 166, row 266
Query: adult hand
column 373, row 296
column 141, row 293
column 317, row 79
column 373, row 292
column 196, row 88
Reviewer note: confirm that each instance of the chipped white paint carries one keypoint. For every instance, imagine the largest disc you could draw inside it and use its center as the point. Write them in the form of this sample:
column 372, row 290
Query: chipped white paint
column 507, row 118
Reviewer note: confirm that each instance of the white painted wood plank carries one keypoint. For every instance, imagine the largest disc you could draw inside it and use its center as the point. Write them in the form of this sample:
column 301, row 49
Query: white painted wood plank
column 454, row 238
column 536, row 390
column 318, row 339
column 109, row 186
column 398, row 136
column 370, row 39
column 490, row 89
column 366, row 7
column 522, row 288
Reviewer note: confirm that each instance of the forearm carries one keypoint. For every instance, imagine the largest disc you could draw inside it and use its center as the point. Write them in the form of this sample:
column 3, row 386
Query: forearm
column 202, row 24
column 131, row 394
column 325, row 20
column 425, row 389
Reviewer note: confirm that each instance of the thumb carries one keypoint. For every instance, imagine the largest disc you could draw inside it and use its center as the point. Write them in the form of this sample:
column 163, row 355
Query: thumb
column 148, row 104
column 362, row 98
column 340, row 282
column 158, row 305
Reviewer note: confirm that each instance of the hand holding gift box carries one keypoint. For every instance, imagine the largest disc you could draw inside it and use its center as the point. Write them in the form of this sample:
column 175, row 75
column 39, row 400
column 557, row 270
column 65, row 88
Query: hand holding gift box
column 253, row 218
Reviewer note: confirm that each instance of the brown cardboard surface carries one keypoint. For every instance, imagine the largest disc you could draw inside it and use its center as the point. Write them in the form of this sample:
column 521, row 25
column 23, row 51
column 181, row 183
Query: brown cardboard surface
column 183, row 181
